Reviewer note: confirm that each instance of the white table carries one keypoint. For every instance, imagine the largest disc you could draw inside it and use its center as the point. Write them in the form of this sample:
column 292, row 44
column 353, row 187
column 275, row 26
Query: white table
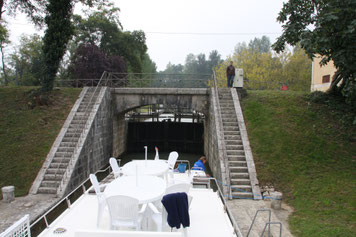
column 149, row 188
column 149, row 167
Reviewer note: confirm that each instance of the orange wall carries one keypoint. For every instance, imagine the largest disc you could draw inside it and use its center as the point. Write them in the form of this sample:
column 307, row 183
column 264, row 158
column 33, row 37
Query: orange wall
column 318, row 73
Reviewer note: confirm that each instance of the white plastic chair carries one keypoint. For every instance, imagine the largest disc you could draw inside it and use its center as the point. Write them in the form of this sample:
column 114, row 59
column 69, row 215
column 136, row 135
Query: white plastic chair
column 178, row 188
column 100, row 195
column 172, row 159
column 115, row 167
column 124, row 212
column 160, row 218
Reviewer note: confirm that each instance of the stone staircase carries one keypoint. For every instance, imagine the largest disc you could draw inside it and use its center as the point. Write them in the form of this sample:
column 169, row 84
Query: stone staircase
column 239, row 175
column 62, row 156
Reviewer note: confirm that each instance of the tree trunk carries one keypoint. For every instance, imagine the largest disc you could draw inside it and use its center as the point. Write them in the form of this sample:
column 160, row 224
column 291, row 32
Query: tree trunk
column 333, row 89
column 3, row 64
column 1, row 6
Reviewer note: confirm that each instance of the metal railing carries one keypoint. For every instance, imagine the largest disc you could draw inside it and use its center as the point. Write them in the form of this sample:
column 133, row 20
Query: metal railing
column 221, row 127
column 269, row 223
column 227, row 209
column 82, row 188
column 143, row 80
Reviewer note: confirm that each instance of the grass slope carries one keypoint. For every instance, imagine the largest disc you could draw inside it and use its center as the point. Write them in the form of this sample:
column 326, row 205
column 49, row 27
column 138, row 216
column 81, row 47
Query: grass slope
column 26, row 135
column 307, row 151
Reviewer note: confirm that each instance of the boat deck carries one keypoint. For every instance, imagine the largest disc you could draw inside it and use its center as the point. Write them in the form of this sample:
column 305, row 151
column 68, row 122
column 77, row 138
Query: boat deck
column 207, row 217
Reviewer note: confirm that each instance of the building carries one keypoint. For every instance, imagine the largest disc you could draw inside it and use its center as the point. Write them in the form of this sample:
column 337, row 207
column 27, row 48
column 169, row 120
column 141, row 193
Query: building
column 321, row 75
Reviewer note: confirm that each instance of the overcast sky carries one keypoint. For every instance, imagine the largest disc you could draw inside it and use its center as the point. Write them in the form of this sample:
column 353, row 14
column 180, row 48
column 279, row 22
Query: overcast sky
column 243, row 19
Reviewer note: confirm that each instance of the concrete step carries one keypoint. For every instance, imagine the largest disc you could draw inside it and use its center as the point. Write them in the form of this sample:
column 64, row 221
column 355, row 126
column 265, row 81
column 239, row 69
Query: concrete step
column 241, row 188
column 233, row 124
column 63, row 154
column 61, row 160
column 67, row 144
column 231, row 119
column 58, row 165
column 234, row 147
column 233, row 142
column 72, row 134
column 231, row 133
column 238, row 169
column 242, row 195
column 65, row 149
column 57, row 177
column 79, row 121
column 228, row 112
column 235, row 153
column 236, row 157
column 231, row 128
column 70, row 139
column 240, row 182
column 224, row 106
column 80, row 117
column 239, row 176
column 237, row 164
column 232, row 137
column 77, row 126
column 74, row 130
column 50, row 183
column 55, row 171
column 47, row 190
column 232, row 115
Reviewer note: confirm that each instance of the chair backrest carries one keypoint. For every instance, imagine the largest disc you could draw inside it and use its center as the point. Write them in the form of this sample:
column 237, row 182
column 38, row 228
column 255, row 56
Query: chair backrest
column 95, row 183
column 122, row 208
column 172, row 159
column 114, row 166
column 178, row 188
column 19, row 228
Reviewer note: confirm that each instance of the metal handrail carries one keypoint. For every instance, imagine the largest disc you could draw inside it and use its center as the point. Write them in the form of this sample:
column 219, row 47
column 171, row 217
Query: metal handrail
column 66, row 198
column 269, row 228
column 78, row 129
column 221, row 127
column 254, row 219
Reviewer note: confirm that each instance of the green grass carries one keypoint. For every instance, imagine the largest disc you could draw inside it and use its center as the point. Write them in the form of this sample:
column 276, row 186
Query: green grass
column 26, row 135
column 307, row 151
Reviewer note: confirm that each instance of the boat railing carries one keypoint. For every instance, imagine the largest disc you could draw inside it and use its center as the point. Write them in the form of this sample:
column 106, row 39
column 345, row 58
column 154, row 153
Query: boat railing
column 227, row 209
column 66, row 202
column 46, row 219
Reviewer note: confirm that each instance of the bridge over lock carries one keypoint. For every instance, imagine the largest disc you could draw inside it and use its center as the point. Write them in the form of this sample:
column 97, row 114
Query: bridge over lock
column 96, row 129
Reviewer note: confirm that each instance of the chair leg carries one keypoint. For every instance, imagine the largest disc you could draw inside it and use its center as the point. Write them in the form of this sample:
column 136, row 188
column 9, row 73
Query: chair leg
column 100, row 213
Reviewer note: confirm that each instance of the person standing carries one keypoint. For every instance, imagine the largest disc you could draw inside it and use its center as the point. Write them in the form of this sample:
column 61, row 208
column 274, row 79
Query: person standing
column 230, row 74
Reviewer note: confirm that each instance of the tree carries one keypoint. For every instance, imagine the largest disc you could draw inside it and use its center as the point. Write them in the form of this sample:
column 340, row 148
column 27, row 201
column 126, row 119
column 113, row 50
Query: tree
column 27, row 61
column 32, row 8
column 262, row 45
column 89, row 62
column 102, row 28
column 297, row 70
column 4, row 39
column 266, row 70
column 332, row 36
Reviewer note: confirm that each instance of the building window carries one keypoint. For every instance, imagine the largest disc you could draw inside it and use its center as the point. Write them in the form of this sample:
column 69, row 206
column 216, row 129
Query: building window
column 326, row 79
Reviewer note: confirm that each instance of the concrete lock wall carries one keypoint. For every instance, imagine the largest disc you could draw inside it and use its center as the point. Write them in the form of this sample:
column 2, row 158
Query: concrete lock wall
column 98, row 145
column 212, row 145
column 119, row 134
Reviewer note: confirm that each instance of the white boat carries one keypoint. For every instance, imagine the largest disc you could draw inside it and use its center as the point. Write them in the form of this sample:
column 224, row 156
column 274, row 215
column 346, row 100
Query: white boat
column 209, row 215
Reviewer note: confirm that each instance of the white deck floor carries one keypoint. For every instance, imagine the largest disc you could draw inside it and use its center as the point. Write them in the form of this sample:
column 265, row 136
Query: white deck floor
column 207, row 216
